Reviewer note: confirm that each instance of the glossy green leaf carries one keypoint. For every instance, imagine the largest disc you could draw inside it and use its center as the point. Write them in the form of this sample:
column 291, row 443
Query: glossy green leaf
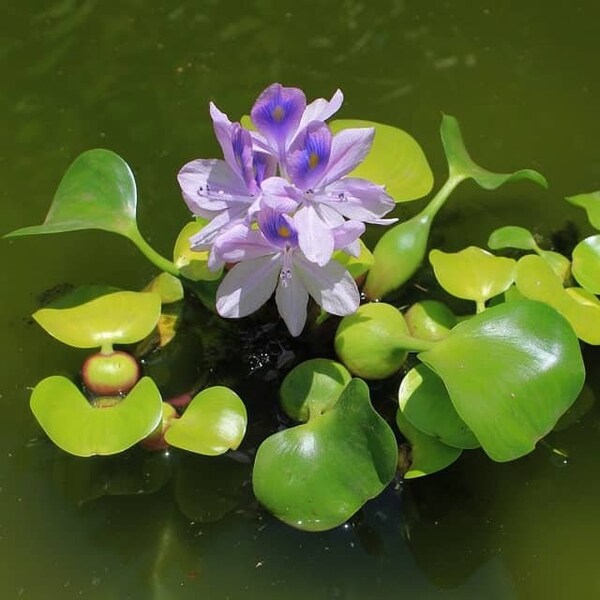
column 167, row 286
column 97, row 192
column 119, row 318
column 511, row 237
column 312, row 387
column 429, row 320
column 425, row 402
column 359, row 265
column 511, row 372
column 193, row 264
column 427, row 454
column 586, row 263
column 536, row 280
column 395, row 160
column 472, row 273
column 213, row 423
column 462, row 166
column 398, row 254
column 79, row 428
column 591, row 203
column 317, row 475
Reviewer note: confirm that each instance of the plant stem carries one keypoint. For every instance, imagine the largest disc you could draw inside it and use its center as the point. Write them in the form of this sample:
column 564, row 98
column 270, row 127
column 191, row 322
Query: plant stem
column 413, row 344
column 152, row 255
column 443, row 193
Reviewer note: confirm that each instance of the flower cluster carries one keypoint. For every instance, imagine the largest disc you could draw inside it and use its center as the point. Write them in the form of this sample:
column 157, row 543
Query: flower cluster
column 280, row 205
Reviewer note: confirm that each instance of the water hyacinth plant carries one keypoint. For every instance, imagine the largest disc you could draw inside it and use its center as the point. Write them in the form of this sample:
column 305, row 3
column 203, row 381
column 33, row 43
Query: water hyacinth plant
column 282, row 214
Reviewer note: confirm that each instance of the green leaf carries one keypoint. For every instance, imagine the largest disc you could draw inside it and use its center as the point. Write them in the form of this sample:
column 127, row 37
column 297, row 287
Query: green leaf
column 462, row 166
column 536, row 280
column 167, row 286
column 79, row 428
column 97, row 192
column 511, row 372
column 213, row 423
column 193, row 264
column 472, row 273
column 317, row 475
column 511, row 237
column 356, row 266
column 427, row 454
column 586, row 263
column 312, row 387
column 398, row 254
column 118, row 318
column 429, row 320
column 591, row 203
column 425, row 402
column 395, row 160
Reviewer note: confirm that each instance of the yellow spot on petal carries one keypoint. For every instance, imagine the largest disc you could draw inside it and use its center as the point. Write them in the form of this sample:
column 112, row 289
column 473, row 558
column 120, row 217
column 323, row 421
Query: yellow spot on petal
column 313, row 160
column 278, row 113
column 283, row 231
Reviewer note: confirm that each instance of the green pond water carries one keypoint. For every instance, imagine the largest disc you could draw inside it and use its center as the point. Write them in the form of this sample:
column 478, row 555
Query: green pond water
column 136, row 77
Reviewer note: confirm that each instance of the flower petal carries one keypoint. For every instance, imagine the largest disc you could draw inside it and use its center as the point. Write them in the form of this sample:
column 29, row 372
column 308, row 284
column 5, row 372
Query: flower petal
column 321, row 109
column 331, row 286
column 292, row 298
column 277, row 113
column 347, row 234
column 308, row 156
column 348, row 149
column 357, row 199
column 240, row 243
column 248, row 286
column 211, row 185
column 279, row 194
column 314, row 237
column 220, row 222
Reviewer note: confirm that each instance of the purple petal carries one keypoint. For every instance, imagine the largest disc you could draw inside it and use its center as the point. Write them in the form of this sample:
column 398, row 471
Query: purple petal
column 348, row 149
column 292, row 298
column 347, row 234
column 352, row 249
column 222, row 127
column 331, row 286
column 314, row 237
column 264, row 166
column 279, row 194
column 248, row 286
column 277, row 228
column 277, row 113
column 358, row 199
column 308, row 156
column 240, row 243
column 321, row 109
column 211, row 185
column 220, row 222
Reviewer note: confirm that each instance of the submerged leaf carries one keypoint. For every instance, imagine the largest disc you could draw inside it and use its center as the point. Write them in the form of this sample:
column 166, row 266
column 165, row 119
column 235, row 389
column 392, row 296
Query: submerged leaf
column 472, row 273
column 118, row 318
column 79, row 428
column 395, row 160
column 213, row 423
column 427, row 454
column 462, row 166
column 317, row 475
column 511, row 372
column 312, row 387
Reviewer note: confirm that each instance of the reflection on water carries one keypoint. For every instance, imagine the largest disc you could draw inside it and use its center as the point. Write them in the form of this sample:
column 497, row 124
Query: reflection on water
column 137, row 77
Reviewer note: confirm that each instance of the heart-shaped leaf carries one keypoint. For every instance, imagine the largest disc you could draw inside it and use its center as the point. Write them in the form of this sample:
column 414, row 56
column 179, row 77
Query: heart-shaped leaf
column 536, row 280
column 472, row 273
column 119, row 318
column 167, row 286
column 511, row 372
column 425, row 402
column 462, row 166
column 193, row 264
column 97, row 192
column 213, row 423
column 511, row 237
column 312, row 387
column 395, row 160
column 79, row 428
column 591, row 203
column 317, row 475
column 586, row 263
column 427, row 454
